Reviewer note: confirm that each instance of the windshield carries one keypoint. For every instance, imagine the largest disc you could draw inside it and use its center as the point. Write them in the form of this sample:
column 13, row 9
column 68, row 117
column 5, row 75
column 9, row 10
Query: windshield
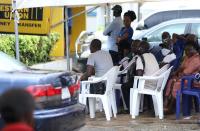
column 9, row 64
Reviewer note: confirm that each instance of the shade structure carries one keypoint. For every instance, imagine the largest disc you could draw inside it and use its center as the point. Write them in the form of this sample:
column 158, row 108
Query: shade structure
column 71, row 3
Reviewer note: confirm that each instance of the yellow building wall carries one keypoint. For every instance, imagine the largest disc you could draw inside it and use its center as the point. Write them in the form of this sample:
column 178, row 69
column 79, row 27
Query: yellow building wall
column 78, row 25
column 57, row 15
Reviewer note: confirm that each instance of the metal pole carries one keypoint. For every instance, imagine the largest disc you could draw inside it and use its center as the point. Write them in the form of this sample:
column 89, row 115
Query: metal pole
column 67, row 39
column 107, row 13
column 78, row 14
column 16, row 21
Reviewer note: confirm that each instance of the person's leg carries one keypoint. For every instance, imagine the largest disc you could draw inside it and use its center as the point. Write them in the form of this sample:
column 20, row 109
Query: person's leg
column 169, row 107
column 126, row 93
column 114, row 56
column 167, row 92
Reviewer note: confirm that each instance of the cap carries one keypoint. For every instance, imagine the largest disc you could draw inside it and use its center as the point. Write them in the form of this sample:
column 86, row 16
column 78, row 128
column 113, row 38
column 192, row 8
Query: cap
column 117, row 8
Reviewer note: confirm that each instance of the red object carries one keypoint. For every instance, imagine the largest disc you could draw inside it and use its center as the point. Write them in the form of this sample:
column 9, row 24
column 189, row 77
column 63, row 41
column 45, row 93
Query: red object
column 74, row 88
column 49, row 90
column 17, row 127
column 43, row 90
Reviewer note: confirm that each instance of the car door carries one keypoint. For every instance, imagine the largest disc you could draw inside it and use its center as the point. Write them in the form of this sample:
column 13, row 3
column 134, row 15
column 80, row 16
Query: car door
column 154, row 36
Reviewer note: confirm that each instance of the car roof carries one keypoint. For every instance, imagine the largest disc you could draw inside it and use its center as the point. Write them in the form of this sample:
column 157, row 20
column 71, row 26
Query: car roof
column 157, row 16
column 169, row 22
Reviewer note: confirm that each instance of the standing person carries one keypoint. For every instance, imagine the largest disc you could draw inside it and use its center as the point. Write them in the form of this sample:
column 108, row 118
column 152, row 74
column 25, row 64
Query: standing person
column 112, row 31
column 16, row 108
column 99, row 61
column 125, row 36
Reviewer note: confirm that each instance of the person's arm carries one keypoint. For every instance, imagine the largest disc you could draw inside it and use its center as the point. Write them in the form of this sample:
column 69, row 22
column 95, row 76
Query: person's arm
column 128, row 34
column 109, row 29
column 123, row 37
column 139, row 72
column 89, row 72
column 139, row 67
column 90, row 67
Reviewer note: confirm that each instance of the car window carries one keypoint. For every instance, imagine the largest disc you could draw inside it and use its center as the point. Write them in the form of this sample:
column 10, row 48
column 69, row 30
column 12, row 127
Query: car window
column 8, row 63
column 175, row 28
column 162, row 16
column 196, row 29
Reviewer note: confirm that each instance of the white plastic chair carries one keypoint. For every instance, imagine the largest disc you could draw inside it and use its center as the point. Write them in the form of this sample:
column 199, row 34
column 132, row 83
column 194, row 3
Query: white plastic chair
column 108, row 99
column 140, row 88
column 157, row 73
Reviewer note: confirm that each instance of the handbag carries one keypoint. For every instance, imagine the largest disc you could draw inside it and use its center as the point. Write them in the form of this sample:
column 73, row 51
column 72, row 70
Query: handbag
column 98, row 88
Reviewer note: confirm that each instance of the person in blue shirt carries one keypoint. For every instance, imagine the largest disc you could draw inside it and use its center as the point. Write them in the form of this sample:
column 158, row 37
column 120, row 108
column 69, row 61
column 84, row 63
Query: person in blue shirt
column 178, row 48
column 125, row 36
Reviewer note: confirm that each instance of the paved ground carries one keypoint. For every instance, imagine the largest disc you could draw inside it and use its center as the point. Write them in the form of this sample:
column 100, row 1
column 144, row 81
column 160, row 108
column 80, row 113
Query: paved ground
column 145, row 122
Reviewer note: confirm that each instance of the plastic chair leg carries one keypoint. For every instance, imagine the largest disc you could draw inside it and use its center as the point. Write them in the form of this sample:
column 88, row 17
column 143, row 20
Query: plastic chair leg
column 159, row 97
column 82, row 99
column 138, row 103
column 186, row 104
column 113, row 105
column 106, row 107
column 131, row 100
column 155, row 105
column 92, row 104
column 135, row 104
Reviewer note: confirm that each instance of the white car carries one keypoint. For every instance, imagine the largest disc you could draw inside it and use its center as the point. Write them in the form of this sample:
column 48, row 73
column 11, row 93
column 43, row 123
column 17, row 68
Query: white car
column 178, row 26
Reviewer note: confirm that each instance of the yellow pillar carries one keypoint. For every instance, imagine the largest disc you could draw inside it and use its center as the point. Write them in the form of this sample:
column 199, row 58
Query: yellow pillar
column 78, row 25
column 57, row 15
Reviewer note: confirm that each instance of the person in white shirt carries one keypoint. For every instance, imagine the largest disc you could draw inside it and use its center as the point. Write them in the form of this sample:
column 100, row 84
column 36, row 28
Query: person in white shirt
column 150, row 64
column 145, row 65
column 99, row 61
column 112, row 31
column 168, row 54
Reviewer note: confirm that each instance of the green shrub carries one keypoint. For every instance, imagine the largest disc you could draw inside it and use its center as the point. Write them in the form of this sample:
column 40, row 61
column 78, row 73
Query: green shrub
column 33, row 49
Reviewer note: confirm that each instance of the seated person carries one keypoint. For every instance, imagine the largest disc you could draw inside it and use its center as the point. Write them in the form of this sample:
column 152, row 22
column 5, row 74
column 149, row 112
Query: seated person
column 190, row 65
column 129, row 60
column 166, row 38
column 168, row 55
column 146, row 64
column 134, row 45
column 191, row 38
column 16, row 108
column 99, row 61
